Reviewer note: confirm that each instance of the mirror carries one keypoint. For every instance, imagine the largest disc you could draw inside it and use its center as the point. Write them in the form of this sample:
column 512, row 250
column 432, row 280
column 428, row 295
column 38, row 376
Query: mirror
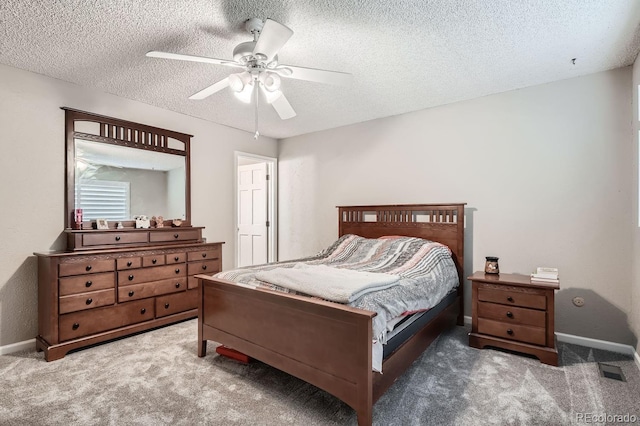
column 117, row 170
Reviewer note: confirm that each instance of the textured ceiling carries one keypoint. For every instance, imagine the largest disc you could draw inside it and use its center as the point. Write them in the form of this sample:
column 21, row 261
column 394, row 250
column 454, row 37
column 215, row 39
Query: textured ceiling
column 405, row 55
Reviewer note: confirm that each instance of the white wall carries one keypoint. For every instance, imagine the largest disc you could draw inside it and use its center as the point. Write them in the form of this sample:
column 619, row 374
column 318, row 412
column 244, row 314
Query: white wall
column 32, row 173
column 635, row 230
column 546, row 172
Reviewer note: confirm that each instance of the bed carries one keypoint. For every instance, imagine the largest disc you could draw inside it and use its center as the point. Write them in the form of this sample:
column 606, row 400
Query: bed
column 325, row 343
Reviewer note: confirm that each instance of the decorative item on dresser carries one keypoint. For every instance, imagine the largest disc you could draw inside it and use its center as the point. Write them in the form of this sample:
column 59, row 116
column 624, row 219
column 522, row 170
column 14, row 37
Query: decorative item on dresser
column 329, row 344
column 511, row 311
column 120, row 279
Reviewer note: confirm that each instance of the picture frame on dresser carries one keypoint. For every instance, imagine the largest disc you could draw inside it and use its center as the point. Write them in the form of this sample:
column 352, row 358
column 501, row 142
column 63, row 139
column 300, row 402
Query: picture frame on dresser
column 114, row 282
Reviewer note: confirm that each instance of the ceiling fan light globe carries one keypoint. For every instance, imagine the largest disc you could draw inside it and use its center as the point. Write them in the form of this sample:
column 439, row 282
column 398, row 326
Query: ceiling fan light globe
column 270, row 81
column 239, row 81
column 245, row 94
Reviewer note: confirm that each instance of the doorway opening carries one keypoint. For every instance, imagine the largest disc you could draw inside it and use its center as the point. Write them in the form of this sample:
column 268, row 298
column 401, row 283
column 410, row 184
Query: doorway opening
column 255, row 209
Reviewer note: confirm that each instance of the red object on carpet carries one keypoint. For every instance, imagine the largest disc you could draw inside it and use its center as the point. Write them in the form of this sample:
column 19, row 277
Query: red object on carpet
column 233, row 354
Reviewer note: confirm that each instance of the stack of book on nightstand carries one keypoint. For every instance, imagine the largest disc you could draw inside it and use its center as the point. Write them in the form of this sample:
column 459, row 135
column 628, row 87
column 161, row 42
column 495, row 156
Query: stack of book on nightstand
column 545, row 275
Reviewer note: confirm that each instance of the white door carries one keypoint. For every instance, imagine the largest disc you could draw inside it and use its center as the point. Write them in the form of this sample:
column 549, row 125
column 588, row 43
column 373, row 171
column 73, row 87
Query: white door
column 252, row 214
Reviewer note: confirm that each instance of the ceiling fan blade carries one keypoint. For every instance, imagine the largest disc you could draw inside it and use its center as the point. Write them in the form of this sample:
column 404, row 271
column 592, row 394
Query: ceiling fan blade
column 313, row 74
column 283, row 107
column 208, row 91
column 272, row 37
column 191, row 58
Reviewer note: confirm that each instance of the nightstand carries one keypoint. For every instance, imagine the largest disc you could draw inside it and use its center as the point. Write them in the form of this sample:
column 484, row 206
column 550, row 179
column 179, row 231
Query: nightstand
column 510, row 311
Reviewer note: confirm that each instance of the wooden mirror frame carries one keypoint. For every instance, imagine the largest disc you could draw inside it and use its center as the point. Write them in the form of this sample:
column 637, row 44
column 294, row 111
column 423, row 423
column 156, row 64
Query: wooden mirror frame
column 125, row 134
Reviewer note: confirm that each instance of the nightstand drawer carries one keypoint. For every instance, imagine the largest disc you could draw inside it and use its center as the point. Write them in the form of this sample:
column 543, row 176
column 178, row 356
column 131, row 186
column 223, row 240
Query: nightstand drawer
column 522, row 333
column 512, row 297
column 511, row 314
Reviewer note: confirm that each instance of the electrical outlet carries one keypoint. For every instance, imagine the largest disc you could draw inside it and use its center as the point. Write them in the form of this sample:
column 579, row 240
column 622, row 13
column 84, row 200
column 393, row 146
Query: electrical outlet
column 578, row 301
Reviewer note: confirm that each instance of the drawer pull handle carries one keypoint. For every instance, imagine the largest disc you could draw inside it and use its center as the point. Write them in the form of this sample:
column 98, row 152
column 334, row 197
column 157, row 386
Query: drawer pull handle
column 204, row 254
column 204, row 266
column 509, row 332
column 166, row 306
column 143, row 311
column 118, row 238
column 154, row 261
column 131, row 293
column 510, row 299
column 129, row 263
column 510, row 314
column 88, row 284
column 177, row 270
column 88, row 268
column 130, row 277
column 176, row 258
column 175, row 235
column 89, row 301
column 177, row 285
column 75, row 326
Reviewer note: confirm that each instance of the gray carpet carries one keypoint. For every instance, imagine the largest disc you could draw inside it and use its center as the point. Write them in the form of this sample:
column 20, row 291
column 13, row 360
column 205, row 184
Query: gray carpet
column 155, row 378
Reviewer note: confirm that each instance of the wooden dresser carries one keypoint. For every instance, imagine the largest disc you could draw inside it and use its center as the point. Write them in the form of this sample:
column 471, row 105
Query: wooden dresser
column 93, row 296
column 512, row 312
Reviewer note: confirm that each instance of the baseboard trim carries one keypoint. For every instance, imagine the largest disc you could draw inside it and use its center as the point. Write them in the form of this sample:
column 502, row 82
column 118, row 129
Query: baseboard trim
column 467, row 320
column 17, row 347
column 637, row 357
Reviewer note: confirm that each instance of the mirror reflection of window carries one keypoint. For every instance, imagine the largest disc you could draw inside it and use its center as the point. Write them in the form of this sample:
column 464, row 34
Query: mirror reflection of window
column 156, row 180
column 101, row 199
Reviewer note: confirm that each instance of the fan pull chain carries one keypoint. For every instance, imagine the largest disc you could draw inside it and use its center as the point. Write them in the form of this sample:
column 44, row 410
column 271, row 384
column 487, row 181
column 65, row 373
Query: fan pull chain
column 255, row 90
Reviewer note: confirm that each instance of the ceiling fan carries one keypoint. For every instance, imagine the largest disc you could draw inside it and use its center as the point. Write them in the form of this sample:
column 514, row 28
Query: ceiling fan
column 259, row 61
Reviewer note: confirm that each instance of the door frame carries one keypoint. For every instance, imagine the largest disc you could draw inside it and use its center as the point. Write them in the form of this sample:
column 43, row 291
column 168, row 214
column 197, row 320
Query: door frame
column 272, row 203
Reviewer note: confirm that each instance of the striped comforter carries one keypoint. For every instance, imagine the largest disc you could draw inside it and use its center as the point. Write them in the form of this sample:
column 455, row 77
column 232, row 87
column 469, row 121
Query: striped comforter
column 426, row 269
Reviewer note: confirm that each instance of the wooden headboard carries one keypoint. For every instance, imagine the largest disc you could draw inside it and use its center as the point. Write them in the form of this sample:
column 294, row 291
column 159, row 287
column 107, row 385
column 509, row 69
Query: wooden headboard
column 443, row 223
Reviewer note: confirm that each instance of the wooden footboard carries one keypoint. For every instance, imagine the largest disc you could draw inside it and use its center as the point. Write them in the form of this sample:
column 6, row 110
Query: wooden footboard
column 323, row 343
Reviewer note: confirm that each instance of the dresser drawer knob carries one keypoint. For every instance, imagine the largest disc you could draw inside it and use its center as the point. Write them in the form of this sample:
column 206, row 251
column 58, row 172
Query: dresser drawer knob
column 154, row 261
column 176, row 235
column 509, row 332
column 510, row 299
column 118, row 238
column 129, row 263
column 88, row 268
column 204, row 254
column 131, row 293
column 177, row 285
column 204, row 266
column 510, row 314
column 88, row 284
column 130, row 277
column 177, row 270
column 89, row 301
column 143, row 311
column 75, row 326
column 166, row 306
column 176, row 258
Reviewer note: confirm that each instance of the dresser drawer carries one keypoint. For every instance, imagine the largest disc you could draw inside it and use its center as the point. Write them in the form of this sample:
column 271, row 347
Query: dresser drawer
column 183, row 235
column 156, row 273
column 86, row 266
column 108, row 238
column 176, row 258
column 93, row 299
column 88, row 282
column 153, row 260
column 522, row 333
column 209, row 253
column 174, row 303
column 150, row 289
column 511, row 314
column 78, row 324
column 205, row 267
column 124, row 263
column 512, row 297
